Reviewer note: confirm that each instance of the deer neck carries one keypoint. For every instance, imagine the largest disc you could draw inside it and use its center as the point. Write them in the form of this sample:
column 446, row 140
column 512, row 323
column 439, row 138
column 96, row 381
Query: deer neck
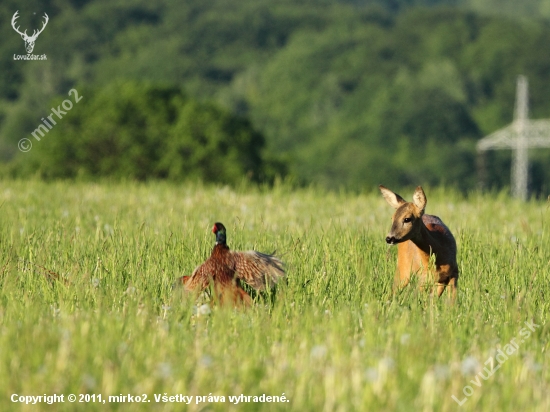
column 424, row 240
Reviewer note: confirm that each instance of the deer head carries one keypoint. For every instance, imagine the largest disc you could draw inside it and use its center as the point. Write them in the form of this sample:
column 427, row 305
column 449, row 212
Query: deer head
column 407, row 219
column 29, row 40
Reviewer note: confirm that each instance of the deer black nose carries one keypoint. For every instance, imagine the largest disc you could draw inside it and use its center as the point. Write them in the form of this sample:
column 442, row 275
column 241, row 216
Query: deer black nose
column 390, row 240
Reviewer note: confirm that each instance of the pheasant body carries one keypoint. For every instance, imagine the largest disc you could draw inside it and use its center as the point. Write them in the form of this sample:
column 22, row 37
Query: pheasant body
column 224, row 269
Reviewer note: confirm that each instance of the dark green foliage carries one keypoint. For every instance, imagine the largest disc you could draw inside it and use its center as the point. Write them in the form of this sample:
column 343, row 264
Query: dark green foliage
column 139, row 131
column 212, row 145
column 399, row 103
column 352, row 92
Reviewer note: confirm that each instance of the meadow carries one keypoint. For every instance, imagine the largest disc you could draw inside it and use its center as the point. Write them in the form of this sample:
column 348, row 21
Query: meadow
column 87, row 305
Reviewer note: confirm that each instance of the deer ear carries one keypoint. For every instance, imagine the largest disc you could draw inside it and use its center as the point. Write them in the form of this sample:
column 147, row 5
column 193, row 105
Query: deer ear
column 392, row 198
column 419, row 198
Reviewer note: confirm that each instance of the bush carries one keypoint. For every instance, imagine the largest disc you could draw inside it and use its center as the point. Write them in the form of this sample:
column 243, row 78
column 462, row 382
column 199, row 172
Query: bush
column 141, row 131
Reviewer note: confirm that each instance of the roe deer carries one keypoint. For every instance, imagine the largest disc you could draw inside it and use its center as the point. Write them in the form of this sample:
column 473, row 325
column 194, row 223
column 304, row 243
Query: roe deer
column 418, row 236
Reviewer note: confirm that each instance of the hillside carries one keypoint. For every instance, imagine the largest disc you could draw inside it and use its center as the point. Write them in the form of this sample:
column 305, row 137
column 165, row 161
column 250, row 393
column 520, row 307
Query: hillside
column 348, row 93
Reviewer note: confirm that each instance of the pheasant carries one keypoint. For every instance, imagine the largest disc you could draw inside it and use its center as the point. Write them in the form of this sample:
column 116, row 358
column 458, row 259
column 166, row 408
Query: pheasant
column 225, row 268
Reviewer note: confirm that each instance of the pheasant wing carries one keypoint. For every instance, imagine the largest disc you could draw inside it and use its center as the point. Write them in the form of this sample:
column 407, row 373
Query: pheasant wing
column 181, row 281
column 258, row 269
column 199, row 279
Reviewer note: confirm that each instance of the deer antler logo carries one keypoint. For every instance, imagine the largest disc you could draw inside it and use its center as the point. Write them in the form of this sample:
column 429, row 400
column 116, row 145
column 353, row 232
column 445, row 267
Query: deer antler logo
column 29, row 40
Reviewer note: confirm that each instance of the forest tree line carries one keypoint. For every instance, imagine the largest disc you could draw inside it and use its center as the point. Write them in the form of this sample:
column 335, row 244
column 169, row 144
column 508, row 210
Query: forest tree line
column 337, row 93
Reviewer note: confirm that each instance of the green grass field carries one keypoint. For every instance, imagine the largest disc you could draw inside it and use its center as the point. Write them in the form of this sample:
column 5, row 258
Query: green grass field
column 334, row 338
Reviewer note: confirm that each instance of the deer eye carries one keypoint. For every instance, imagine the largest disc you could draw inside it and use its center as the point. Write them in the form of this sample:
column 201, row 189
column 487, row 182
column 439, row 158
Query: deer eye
column 407, row 220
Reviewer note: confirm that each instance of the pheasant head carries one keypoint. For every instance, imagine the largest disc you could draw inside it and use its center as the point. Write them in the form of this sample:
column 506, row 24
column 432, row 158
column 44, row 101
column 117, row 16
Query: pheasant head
column 219, row 231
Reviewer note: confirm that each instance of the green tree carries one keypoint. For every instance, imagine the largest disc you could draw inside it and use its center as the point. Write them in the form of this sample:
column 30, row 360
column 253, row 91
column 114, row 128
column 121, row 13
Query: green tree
column 212, row 145
column 140, row 131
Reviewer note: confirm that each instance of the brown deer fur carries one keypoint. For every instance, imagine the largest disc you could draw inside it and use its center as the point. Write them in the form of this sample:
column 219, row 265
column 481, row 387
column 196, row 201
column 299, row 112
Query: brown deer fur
column 419, row 236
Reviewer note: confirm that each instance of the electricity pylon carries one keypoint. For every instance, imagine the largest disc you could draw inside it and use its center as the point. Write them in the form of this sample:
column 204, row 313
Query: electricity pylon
column 519, row 136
